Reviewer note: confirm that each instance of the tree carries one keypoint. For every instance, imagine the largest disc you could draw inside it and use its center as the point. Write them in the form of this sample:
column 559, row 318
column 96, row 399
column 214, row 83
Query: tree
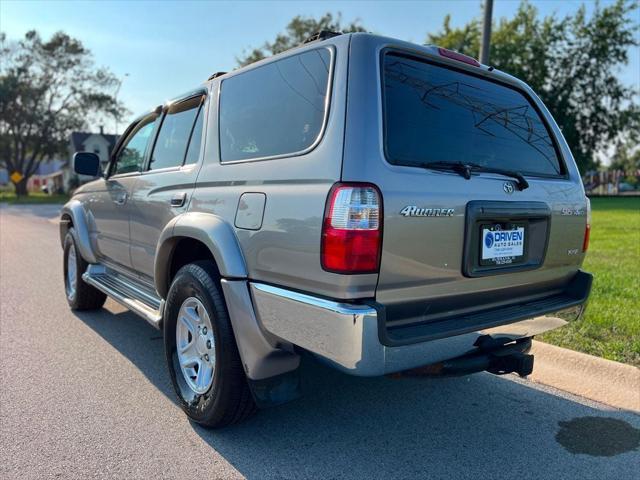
column 298, row 30
column 47, row 90
column 626, row 158
column 570, row 62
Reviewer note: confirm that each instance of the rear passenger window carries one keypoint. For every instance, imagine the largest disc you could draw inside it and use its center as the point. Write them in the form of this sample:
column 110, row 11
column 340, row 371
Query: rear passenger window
column 171, row 145
column 275, row 109
column 193, row 151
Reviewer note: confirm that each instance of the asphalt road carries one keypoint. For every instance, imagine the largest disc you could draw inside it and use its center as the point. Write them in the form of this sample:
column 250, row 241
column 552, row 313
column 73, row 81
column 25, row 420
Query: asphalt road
column 86, row 395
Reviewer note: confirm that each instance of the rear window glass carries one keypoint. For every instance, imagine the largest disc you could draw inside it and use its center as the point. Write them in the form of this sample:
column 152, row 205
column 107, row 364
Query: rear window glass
column 276, row 109
column 436, row 114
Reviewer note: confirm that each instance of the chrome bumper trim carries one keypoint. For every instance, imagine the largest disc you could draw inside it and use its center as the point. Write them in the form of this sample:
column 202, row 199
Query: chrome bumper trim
column 346, row 335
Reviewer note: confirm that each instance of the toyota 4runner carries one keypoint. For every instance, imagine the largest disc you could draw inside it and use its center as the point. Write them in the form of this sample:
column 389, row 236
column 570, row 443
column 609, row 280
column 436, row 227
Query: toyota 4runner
column 382, row 205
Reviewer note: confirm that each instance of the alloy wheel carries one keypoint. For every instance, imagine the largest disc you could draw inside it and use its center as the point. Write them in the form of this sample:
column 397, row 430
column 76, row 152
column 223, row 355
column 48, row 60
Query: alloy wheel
column 72, row 273
column 195, row 345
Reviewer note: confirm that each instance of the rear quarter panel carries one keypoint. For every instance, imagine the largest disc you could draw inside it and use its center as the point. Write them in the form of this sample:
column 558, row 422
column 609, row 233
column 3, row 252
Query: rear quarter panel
column 286, row 249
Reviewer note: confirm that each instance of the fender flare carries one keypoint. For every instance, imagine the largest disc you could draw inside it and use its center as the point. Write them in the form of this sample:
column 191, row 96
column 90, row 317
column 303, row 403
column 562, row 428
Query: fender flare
column 211, row 230
column 75, row 210
column 262, row 362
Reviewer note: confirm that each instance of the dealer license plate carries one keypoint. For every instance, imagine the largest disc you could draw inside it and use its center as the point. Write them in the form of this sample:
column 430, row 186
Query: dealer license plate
column 502, row 247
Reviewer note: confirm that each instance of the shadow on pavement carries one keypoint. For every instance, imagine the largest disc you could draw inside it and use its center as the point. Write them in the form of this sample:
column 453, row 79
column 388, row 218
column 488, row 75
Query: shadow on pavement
column 134, row 338
column 45, row 210
column 480, row 426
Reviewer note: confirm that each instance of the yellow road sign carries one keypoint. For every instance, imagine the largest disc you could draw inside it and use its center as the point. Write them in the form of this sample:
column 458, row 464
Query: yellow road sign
column 16, row 177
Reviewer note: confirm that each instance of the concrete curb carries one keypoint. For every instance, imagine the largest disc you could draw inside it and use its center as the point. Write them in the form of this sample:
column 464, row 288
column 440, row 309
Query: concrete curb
column 604, row 381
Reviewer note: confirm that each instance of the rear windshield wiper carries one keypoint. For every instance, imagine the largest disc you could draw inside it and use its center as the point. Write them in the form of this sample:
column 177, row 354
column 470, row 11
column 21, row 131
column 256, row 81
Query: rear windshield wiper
column 465, row 170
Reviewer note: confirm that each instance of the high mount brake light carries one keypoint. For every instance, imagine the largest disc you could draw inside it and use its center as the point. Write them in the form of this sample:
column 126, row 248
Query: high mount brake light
column 352, row 229
column 458, row 56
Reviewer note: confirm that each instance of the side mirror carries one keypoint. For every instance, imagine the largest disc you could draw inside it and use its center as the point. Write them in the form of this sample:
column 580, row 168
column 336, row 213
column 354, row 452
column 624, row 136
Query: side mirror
column 87, row 163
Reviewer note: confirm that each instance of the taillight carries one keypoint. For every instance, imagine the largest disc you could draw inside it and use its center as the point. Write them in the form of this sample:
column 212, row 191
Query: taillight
column 587, row 229
column 352, row 229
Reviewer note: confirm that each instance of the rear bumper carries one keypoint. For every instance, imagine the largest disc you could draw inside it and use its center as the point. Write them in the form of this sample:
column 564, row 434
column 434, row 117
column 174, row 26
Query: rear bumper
column 354, row 337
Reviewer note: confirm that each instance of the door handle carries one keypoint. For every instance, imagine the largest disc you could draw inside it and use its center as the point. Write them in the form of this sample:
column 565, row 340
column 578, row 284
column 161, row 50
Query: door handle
column 178, row 199
column 121, row 199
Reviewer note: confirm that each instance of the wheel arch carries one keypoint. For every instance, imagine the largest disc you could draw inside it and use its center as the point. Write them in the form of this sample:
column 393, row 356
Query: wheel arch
column 73, row 215
column 193, row 230
column 271, row 370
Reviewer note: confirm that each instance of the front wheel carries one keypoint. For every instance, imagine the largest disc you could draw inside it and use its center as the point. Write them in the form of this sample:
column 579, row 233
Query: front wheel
column 201, row 351
column 80, row 295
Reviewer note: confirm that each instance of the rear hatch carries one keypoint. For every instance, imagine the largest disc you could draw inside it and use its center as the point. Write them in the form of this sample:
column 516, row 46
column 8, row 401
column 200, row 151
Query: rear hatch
column 458, row 240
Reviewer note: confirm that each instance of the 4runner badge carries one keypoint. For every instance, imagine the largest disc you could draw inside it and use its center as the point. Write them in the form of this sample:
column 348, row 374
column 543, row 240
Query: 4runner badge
column 413, row 211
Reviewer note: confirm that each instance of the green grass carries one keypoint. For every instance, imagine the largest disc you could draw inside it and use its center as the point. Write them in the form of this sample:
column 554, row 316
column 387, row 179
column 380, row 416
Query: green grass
column 611, row 325
column 32, row 198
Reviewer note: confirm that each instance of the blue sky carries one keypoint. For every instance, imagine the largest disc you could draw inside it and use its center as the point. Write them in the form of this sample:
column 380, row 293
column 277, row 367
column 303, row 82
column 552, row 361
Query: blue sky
column 168, row 47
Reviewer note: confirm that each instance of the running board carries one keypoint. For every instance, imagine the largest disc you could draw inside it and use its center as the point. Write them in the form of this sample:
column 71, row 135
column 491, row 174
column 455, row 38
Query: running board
column 127, row 292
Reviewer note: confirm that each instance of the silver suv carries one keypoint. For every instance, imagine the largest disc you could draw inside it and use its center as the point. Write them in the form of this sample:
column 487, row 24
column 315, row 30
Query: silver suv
column 379, row 204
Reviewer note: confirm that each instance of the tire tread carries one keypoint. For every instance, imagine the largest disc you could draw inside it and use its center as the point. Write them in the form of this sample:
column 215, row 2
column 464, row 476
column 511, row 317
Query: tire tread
column 237, row 402
column 87, row 296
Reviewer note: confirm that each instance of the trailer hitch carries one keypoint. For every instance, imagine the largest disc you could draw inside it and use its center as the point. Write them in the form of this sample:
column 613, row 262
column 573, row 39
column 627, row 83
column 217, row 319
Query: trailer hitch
column 494, row 355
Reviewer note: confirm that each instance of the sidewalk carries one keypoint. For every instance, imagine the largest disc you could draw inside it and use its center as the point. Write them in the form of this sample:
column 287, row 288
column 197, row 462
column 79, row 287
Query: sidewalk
column 604, row 381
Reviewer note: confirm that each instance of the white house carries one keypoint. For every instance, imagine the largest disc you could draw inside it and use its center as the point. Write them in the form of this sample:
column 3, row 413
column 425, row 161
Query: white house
column 99, row 143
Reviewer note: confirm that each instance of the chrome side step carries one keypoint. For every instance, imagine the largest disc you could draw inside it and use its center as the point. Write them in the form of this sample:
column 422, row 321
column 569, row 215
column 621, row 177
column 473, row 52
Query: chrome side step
column 136, row 297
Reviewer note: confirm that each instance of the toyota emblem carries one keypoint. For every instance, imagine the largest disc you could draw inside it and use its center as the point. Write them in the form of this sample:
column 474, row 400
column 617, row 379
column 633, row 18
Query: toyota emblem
column 508, row 187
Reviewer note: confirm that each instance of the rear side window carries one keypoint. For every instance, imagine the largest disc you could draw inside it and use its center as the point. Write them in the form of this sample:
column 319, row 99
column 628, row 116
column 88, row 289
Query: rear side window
column 171, row 145
column 276, row 109
column 193, row 151
column 435, row 114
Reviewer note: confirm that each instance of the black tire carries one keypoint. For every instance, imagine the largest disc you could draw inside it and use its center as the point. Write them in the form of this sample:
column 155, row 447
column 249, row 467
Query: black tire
column 228, row 400
column 85, row 296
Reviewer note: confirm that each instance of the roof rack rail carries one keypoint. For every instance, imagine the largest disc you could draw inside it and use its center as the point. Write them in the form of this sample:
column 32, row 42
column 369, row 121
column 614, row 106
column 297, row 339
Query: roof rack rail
column 322, row 35
column 216, row 75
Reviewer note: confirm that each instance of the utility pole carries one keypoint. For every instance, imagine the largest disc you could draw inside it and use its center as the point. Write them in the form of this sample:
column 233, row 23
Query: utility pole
column 486, row 32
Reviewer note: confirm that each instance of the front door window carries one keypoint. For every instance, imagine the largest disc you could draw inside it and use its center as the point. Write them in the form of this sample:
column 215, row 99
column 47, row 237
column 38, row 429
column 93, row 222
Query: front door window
column 131, row 156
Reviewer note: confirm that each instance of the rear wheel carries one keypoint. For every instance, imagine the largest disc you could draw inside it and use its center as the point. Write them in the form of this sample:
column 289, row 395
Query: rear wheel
column 201, row 351
column 80, row 295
